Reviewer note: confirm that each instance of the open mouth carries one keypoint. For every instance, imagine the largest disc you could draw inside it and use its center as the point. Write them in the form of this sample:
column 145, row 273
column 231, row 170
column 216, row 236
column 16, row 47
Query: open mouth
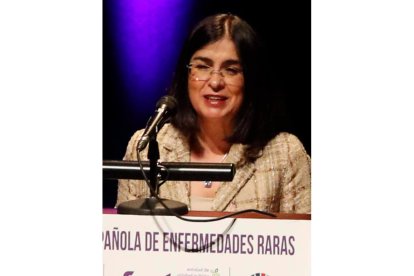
column 215, row 99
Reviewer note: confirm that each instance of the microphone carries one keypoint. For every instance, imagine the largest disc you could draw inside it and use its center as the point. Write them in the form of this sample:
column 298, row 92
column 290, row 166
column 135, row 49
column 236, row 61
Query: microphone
column 166, row 107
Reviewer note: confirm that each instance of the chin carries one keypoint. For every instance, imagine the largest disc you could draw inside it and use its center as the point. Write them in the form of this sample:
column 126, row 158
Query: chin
column 214, row 116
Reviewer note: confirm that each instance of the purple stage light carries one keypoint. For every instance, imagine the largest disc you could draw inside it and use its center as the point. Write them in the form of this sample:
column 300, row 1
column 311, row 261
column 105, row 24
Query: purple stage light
column 148, row 36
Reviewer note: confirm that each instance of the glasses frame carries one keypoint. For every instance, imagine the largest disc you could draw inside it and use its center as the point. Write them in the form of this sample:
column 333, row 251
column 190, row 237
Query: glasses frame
column 228, row 78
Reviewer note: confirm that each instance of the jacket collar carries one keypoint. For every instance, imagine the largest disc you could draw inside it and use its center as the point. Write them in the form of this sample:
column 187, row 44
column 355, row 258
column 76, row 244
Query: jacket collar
column 179, row 151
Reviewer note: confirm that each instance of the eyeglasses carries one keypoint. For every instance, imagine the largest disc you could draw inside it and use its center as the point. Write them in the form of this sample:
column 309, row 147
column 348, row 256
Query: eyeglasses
column 202, row 72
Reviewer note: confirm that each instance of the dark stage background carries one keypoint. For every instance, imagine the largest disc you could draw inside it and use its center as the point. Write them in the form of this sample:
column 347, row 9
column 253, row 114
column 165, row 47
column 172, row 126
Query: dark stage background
column 129, row 95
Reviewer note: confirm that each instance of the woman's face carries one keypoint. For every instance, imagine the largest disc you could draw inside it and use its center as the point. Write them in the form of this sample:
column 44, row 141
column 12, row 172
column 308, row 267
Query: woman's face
column 216, row 94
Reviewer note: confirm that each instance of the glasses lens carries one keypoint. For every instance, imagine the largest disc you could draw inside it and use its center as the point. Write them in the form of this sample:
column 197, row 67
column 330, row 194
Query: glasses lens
column 200, row 71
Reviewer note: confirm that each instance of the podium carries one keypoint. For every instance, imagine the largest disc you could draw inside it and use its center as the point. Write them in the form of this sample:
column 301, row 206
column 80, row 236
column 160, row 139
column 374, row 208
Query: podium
column 251, row 244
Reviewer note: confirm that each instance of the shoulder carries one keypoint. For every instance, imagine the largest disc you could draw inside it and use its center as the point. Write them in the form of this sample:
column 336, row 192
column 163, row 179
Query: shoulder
column 285, row 140
column 167, row 131
column 284, row 146
column 167, row 137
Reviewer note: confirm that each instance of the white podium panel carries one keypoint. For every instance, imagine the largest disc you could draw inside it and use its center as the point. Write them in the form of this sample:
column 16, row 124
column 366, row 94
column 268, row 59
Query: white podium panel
column 167, row 246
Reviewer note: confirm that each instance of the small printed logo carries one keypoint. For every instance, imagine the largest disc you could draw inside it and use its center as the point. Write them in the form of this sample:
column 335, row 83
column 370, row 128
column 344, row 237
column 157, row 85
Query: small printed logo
column 215, row 272
column 128, row 273
column 260, row 274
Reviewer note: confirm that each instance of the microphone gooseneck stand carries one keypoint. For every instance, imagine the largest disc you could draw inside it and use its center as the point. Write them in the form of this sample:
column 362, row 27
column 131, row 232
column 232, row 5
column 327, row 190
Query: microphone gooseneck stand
column 151, row 205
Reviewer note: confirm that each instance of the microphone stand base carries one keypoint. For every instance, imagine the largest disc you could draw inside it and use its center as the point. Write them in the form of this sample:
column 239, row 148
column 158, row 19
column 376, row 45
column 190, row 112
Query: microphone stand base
column 151, row 206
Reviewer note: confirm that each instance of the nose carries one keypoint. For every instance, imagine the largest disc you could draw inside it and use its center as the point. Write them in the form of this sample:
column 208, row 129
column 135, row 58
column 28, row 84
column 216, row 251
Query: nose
column 216, row 81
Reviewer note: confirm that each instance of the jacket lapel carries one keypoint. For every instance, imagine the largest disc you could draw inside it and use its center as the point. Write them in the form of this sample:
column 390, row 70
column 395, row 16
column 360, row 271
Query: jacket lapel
column 176, row 149
column 228, row 190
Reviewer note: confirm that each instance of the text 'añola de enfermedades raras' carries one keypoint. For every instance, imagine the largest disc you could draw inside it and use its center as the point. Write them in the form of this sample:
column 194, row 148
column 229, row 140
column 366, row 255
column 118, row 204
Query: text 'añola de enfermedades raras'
column 119, row 240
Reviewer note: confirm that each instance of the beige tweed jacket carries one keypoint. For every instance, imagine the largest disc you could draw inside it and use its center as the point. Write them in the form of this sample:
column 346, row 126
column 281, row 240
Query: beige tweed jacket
column 278, row 181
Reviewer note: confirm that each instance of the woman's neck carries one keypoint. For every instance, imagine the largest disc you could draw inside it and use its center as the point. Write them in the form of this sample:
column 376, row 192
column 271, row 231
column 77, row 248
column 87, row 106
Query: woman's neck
column 211, row 140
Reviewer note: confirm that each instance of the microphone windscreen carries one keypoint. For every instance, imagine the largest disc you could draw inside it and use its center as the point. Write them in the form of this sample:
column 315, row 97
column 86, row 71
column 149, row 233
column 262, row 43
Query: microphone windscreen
column 170, row 102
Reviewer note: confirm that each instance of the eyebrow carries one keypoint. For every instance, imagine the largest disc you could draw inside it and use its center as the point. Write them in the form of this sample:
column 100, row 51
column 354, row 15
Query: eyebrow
column 210, row 61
